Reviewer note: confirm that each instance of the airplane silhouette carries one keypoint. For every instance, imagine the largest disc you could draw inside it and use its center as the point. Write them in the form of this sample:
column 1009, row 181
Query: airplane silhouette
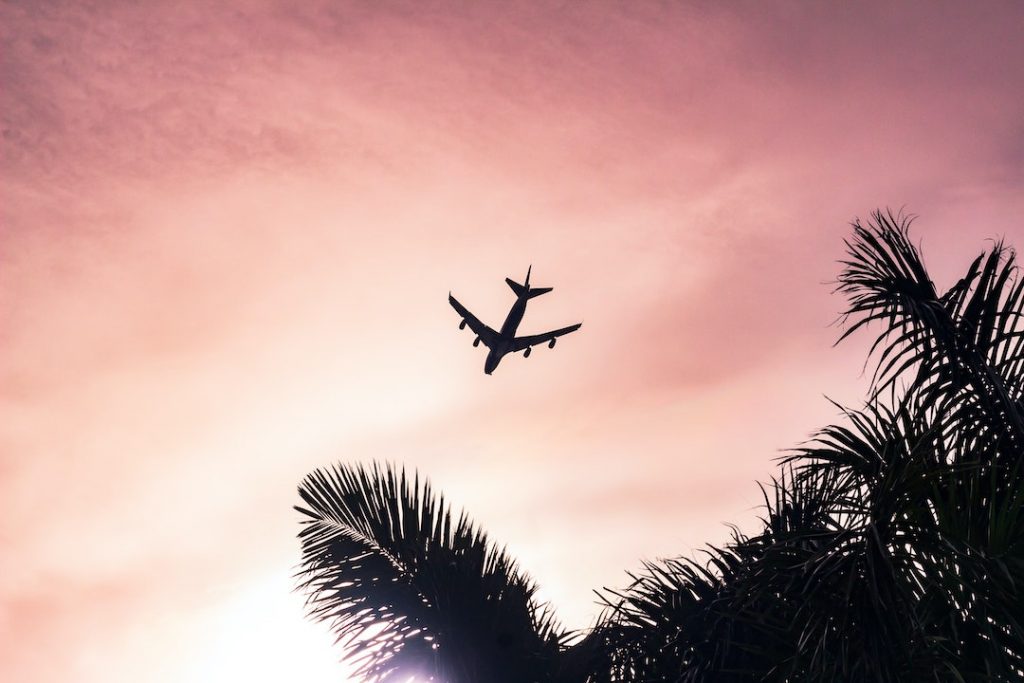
column 506, row 340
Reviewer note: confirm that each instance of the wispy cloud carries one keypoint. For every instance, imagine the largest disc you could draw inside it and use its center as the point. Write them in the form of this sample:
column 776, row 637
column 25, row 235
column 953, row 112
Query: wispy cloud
column 228, row 232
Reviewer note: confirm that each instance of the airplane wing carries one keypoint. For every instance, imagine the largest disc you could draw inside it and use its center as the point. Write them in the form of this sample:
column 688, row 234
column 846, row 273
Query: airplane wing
column 520, row 343
column 486, row 334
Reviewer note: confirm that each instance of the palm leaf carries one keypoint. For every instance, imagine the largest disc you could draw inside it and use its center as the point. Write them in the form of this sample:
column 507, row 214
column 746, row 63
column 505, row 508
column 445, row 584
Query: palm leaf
column 410, row 589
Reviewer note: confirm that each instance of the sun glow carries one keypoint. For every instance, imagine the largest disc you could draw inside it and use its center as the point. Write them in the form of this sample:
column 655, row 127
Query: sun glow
column 258, row 634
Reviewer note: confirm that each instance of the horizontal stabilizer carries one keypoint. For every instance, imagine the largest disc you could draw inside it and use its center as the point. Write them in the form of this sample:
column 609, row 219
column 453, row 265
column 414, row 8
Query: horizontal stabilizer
column 519, row 289
column 537, row 291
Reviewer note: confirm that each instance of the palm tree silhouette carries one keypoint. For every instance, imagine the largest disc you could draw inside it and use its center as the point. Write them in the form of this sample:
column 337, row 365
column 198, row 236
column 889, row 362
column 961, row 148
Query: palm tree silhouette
column 411, row 589
column 892, row 546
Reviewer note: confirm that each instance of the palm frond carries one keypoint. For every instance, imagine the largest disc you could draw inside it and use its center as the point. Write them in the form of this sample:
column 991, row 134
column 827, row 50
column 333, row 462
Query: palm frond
column 964, row 348
column 410, row 589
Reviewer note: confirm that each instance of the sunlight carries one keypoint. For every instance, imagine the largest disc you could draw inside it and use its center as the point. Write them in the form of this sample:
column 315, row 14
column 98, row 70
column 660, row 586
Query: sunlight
column 259, row 634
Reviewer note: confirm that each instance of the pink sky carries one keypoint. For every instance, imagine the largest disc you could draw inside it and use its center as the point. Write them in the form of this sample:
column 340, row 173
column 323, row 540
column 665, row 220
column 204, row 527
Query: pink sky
column 229, row 230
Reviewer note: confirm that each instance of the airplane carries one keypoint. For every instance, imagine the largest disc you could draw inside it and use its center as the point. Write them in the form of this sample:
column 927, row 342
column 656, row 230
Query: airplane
column 506, row 340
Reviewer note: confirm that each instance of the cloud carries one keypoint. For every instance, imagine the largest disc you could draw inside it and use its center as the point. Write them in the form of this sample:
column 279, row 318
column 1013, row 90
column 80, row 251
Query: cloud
column 228, row 232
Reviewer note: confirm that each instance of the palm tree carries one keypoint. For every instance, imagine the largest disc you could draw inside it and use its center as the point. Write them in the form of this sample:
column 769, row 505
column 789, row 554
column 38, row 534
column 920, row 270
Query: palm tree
column 892, row 544
column 893, row 549
column 411, row 589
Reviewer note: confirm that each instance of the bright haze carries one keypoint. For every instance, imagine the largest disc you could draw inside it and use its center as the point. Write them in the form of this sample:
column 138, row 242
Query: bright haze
column 229, row 231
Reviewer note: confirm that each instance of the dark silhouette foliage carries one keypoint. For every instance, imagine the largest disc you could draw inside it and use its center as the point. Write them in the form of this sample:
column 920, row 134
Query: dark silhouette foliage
column 410, row 588
column 892, row 544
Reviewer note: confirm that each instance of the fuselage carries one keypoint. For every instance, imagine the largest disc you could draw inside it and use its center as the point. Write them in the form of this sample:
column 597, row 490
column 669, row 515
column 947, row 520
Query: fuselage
column 506, row 334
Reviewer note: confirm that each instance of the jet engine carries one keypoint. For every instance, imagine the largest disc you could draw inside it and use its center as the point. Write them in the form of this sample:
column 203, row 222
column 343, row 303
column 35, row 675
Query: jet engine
column 526, row 353
column 462, row 325
column 551, row 345
column 476, row 342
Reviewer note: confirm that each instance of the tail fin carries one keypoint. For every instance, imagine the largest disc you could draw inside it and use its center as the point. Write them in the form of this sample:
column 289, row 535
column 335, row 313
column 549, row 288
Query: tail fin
column 524, row 289
column 519, row 289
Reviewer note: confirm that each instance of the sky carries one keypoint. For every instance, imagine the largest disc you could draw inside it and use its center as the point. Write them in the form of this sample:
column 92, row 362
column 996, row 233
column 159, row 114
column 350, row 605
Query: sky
column 228, row 232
